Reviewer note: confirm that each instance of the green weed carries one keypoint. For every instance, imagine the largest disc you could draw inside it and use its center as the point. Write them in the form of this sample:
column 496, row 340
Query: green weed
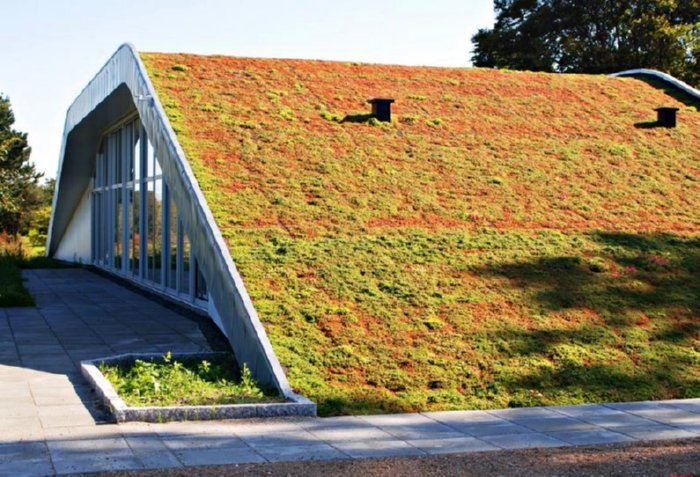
column 190, row 381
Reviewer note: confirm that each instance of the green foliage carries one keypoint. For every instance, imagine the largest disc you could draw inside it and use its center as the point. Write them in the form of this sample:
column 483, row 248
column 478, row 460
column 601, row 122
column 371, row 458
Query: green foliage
column 287, row 114
column 18, row 176
column 12, row 291
column 179, row 68
column 14, row 256
column 186, row 382
column 557, row 36
column 35, row 223
column 328, row 116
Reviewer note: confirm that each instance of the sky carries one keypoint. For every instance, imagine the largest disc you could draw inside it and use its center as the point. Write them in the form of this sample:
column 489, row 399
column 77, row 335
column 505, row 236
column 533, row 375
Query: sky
column 50, row 49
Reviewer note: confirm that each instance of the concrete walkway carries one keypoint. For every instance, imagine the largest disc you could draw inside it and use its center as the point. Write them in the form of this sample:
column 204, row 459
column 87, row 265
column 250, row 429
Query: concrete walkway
column 49, row 423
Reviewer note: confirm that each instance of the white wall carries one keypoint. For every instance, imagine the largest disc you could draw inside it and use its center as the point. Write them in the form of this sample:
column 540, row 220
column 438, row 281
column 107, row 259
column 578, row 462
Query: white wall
column 75, row 246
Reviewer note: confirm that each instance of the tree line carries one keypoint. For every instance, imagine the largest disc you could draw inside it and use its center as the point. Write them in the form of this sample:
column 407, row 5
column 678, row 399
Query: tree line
column 25, row 203
column 593, row 36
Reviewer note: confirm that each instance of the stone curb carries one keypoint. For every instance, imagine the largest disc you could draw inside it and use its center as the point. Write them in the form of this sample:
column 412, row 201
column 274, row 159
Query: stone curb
column 295, row 405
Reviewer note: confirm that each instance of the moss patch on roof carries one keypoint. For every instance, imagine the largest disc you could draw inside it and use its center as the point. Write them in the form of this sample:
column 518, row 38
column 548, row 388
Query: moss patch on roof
column 510, row 239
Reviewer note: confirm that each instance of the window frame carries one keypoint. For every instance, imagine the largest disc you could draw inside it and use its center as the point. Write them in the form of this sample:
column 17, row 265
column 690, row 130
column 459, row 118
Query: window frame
column 109, row 186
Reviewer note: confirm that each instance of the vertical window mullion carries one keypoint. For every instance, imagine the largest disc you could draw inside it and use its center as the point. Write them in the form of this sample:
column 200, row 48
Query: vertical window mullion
column 143, row 206
column 110, row 202
column 98, row 217
column 93, row 196
column 165, row 234
column 178, row 258
column 192, row 275
column 125, row 164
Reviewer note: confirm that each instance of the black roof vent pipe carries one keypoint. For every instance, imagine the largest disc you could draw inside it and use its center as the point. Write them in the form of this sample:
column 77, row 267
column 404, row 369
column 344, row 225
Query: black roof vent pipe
column 666, row 117
column 381, row 108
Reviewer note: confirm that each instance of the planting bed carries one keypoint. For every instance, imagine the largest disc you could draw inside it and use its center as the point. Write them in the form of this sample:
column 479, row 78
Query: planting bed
column 188, row 386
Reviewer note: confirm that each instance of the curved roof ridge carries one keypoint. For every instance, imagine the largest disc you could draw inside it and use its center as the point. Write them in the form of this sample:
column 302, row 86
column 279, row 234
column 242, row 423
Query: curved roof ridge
column 681, row 85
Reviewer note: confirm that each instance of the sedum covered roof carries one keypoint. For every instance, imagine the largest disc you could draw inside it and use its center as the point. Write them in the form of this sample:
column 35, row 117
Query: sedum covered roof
column 509, row 239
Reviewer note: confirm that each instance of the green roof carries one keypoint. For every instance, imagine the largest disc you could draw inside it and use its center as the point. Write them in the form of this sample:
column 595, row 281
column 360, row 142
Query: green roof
column 510, row 238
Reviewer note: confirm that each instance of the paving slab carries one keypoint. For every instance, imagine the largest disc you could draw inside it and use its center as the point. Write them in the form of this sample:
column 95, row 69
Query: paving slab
column 61, row 397
column 96, row 463
column 448, row 445
column 463, row 417
column 152, row 453
column 16, row 409
column 279, row 439
column 524, row 441
column 553, row 424
column 70, row 456
column 23, row 451
column 203, row 441
column 407, row 424
column 667, row 415
column 637, row 406
column 27, row 468
column 585, row 410
column 219, row 457
column 525, row 413
column 480, row 430
column 16, row 391
column 334, row 434
column 690, row 405
column 375, row 448
column 301, row 453
column 83, row 432
column 584, row 438
column 13, row 430
column 655, row 432
column 612, row 421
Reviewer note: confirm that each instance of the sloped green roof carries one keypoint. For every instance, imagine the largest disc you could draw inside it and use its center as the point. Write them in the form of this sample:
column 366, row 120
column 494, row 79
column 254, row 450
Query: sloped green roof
column 510, row 238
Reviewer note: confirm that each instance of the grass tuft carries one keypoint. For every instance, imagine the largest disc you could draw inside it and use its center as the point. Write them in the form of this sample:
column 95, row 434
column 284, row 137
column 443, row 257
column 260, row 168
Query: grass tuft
column 12, row 291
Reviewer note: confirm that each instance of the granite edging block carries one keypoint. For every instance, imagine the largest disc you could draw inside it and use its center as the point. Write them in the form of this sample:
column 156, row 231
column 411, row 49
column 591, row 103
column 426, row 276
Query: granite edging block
column 295, row 406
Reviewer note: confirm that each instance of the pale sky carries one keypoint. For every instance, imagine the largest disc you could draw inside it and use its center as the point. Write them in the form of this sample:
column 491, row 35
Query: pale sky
column 50, row 49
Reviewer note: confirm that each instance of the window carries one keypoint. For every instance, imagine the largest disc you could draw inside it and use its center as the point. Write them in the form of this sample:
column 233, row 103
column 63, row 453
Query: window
column 200, row 288
column 137, row 231
column 172, row 241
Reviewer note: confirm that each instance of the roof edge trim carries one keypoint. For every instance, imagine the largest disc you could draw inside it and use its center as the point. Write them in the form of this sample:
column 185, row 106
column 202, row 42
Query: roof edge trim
column 681, row 85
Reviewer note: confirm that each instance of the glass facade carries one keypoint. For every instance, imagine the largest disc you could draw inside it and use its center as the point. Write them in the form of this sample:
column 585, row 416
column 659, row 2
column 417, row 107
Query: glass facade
column 136, row 228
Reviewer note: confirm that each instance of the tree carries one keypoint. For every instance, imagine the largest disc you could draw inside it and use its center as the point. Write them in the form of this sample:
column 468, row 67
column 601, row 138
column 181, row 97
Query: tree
column 18, row 176
column 593, row 36
column 35, row 223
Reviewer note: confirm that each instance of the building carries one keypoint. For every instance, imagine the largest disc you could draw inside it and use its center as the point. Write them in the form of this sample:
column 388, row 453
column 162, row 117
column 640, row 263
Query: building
column 209, row 180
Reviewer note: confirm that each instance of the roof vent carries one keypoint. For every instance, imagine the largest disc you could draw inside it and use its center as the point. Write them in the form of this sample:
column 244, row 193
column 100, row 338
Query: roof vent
column 666, row 117
column 381, row 108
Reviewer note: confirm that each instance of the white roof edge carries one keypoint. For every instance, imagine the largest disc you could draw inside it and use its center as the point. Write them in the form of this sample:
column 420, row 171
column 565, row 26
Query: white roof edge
column 685, row 87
